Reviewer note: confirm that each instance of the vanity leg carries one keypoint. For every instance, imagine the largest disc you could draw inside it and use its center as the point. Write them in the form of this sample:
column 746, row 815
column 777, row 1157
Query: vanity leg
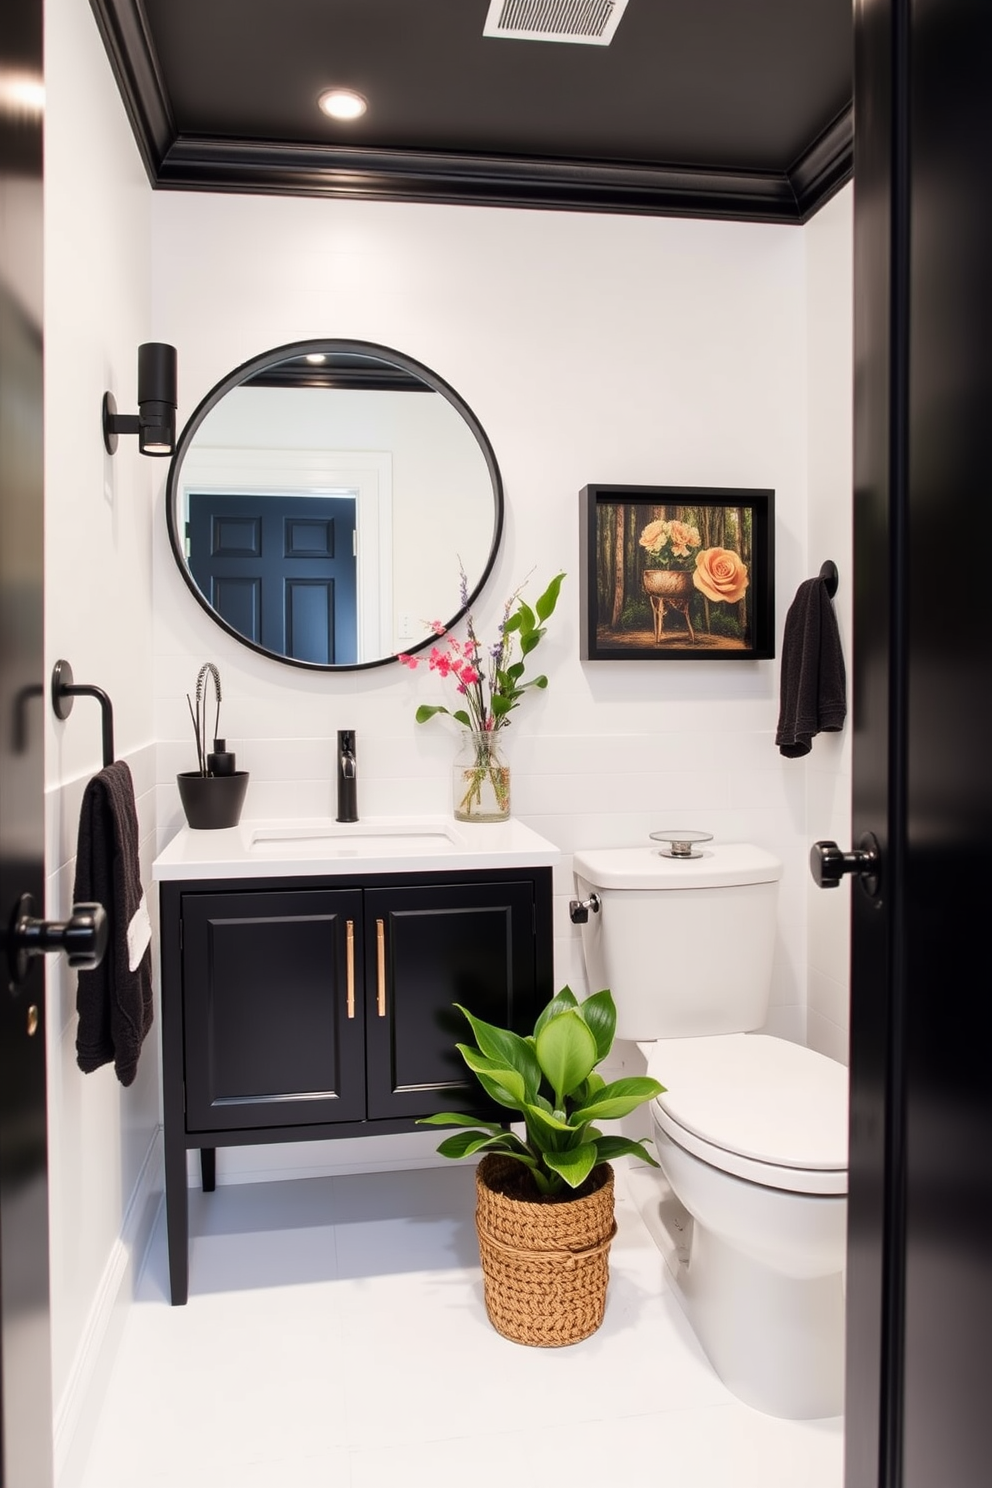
column 208, row 1168
column 177, row 1217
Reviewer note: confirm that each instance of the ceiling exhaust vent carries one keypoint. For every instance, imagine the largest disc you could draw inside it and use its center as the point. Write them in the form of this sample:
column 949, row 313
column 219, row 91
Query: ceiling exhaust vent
column 592, row 22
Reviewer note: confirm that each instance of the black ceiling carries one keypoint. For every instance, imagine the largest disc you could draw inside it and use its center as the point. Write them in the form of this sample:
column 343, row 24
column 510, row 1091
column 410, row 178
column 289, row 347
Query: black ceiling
column 722, row 108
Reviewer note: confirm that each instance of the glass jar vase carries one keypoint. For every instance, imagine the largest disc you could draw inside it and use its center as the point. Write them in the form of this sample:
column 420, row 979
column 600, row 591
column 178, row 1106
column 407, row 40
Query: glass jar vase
column 480, row 778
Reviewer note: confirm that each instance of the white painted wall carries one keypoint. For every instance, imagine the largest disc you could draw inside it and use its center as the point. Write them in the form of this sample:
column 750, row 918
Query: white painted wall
column 649, row 351
column 103, row 1139
column 830, row 359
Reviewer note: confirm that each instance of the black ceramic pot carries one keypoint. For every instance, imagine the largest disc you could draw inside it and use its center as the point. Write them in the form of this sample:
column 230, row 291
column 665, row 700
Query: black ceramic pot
column 212, row 801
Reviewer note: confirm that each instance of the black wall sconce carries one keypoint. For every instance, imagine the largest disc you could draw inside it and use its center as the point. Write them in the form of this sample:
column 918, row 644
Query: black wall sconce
column 155, row 421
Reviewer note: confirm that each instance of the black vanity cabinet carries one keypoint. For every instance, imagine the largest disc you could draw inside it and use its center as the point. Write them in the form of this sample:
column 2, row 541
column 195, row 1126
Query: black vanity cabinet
column 297, row 1009
column 273, row 1023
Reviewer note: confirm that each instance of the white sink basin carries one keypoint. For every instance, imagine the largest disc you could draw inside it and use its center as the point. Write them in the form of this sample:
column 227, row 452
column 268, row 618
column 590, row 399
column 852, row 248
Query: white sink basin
column 350, row 840
column 320, row 847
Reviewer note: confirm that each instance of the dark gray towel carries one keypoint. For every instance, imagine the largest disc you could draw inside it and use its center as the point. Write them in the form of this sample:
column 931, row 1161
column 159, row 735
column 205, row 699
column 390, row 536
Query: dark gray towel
column 813, row 683
column 114, row 1002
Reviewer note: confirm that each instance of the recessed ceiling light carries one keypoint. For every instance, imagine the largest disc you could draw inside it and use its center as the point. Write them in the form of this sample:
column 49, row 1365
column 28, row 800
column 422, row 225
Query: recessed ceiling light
column 342, row 103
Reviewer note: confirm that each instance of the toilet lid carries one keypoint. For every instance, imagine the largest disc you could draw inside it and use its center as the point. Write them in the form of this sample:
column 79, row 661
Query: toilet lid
column 763, row 1100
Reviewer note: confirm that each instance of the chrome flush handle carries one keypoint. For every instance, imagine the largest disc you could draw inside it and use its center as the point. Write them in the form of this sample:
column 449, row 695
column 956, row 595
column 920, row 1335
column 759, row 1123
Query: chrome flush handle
column 578, row 909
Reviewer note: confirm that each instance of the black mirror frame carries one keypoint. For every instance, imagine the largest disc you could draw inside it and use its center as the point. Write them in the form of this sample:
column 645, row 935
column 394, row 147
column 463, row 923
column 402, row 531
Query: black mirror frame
column 301, row 349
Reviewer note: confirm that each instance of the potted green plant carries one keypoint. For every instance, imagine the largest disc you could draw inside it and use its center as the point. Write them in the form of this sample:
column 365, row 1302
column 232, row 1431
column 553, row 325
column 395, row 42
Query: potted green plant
column 544, row 1211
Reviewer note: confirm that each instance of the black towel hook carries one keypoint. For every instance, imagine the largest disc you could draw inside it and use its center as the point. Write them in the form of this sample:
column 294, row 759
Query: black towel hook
column 829, row 575
column 64, row 693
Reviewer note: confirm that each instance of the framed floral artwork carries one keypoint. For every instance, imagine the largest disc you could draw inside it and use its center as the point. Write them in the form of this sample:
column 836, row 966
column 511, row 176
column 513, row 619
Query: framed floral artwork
column 677, row 573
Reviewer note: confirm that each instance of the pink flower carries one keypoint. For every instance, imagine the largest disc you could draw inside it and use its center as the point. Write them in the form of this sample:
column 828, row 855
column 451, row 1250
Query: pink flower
column 439, row 661
column 482, row 674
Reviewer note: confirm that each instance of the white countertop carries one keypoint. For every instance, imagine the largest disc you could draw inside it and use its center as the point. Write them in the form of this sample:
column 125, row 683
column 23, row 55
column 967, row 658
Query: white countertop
column 321, row 846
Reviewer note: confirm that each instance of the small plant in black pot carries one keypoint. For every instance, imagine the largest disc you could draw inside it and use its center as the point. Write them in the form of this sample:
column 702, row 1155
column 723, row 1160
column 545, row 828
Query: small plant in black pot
column 214, row 793
column 544, row 1211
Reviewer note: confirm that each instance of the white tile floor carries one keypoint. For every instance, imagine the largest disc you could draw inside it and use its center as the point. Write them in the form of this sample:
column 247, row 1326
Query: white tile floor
column 335, row 1337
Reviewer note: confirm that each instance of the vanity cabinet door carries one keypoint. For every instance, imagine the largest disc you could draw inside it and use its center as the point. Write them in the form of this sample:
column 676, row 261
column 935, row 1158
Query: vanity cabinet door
column 272, row 1003
column 426, row 949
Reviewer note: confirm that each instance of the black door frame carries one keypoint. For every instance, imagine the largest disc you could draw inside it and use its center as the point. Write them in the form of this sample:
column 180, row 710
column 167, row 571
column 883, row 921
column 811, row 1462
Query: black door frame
column 875, row 1197
column 26, row 1444
column 919, row 1286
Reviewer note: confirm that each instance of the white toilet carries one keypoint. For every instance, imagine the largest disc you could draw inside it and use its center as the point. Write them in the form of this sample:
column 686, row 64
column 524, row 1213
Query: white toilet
column 751, row 1132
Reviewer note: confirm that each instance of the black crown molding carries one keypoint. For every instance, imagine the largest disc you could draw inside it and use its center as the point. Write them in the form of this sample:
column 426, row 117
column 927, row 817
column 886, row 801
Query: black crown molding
column 395, row 175
column 135, row 65
column 825, row 166
column 189, row 163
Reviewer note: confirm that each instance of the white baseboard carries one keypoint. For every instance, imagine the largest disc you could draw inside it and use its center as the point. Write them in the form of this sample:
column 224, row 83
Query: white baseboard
column 78, row 1409
column 331, row 1158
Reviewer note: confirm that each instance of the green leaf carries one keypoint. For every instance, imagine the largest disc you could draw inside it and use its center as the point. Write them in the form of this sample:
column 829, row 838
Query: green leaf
column 456, row 1118
column 467, row 1144
column 607, row 1148
column 566, row 1052
column 585, row 1092
column 529, row 640
column 497, row 1091
column 505, row 1085
column 565, row 999
column 512, row 624
column 507, row 1048
column 545, row 605
column 427, row 711
column 526, row 617
column 600, row 1016
column 548, row 1132
column 501, row 705
column 574, row 1166
column 619, row 1099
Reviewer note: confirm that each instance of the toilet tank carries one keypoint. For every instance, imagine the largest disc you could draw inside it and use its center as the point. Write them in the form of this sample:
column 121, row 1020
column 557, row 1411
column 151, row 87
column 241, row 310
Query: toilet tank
column 685, row 945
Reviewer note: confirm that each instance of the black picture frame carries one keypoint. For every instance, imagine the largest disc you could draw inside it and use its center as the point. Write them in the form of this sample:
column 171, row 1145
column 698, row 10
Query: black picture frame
column 720, row 609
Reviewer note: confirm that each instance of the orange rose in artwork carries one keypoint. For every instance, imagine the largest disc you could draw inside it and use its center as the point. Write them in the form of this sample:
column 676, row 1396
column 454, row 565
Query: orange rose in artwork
column 720, row 575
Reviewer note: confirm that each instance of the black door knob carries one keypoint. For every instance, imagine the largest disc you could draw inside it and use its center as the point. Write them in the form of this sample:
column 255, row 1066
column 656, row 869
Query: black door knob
column 83, row 937
column 828, row 863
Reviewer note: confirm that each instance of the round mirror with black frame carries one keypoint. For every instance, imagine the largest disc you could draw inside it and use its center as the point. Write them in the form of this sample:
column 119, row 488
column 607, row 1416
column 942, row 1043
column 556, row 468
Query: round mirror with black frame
column 330, row 501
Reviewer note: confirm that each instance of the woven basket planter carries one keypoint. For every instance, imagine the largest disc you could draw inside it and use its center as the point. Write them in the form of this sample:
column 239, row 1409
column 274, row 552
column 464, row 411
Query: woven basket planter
column 545, row 1265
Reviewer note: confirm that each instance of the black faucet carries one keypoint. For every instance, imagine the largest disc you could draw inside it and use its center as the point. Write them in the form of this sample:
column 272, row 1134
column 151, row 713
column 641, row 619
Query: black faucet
column 347, row 777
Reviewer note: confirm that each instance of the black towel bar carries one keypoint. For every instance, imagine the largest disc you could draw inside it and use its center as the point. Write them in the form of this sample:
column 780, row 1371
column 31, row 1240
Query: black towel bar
column 829, row 575
column 64, row 693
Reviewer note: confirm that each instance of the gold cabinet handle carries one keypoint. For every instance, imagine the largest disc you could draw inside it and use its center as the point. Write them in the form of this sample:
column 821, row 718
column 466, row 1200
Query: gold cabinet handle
column 380, row 953
column 350, row 953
